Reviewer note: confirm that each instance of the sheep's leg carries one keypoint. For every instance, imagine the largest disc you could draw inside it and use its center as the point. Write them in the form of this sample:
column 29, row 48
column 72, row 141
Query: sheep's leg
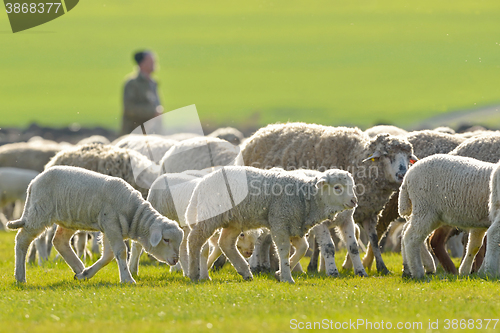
column 24, row 238
column 61, row 242
column 438, row 244
column 313, row 263
column 120, row 251
column 80, row 243
column 135, row 256
column 282, row 241
column 198, row 236
column 95, row 243
column 415, row 235
column 406, row 267
column 50, row 236
column 427, row 260
column 216, row 252
column 301, row 246
column 491, row 265
column 227, row 242
column 478, row 261
column 204, row 262
column 368, row 258
column 473, row 245
column 371, row 225
column 260, row 260
column 183, row 251
column 41, row 247
column 327, row 248
column 106, row 257
column 348, row 235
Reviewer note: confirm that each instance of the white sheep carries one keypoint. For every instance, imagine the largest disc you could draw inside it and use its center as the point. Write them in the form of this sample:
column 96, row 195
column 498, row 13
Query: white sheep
column 385, row 129
column 26, row 155
column 151, row 146
column 242, row 198
column 200, row 153
column 377, row 164
column 444, row 190
column 13, row 184
column 78, row 199
column 491, row 264
column 93, row 139
column 229, row 134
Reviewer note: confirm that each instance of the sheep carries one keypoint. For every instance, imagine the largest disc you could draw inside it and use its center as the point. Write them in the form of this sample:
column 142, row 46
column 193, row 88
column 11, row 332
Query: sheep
column 229, row 134
column 199, row 153
column 112, row 161
column 444, row 190
column 151, row 146
column 13, row 184
column 444, row 129
column 245, row 245
column 425, row 143
column 491, row 264
column 170, row 195
column 27, row 155
column 241, row 198
column 389, row 129
column 79, row 199
column 377, row 164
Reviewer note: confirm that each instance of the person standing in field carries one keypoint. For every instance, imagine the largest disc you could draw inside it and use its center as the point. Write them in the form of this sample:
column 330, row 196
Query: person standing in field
column 140, row 94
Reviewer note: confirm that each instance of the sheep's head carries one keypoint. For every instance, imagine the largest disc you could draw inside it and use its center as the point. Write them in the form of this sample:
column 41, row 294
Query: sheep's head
column 246, row 241
column 336, row 188
column 392, row 155
column 165, row 238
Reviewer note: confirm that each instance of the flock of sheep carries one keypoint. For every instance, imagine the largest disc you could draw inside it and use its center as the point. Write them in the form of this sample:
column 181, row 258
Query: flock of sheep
column 262, row 202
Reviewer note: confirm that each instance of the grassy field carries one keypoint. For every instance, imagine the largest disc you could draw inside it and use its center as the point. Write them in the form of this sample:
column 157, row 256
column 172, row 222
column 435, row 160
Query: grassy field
column 52, row 301
column 252, row 63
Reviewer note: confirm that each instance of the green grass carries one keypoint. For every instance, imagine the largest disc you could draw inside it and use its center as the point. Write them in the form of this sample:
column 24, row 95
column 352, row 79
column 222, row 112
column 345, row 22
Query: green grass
column 52, row 301
column 252, row 63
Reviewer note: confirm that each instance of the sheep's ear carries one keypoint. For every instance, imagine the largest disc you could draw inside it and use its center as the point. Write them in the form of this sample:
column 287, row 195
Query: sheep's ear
column 413, row 159
column 373, row 156
column 155, row 235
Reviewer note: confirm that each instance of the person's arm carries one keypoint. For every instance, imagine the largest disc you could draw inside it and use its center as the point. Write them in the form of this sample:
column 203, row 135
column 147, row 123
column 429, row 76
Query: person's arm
column 133, row 107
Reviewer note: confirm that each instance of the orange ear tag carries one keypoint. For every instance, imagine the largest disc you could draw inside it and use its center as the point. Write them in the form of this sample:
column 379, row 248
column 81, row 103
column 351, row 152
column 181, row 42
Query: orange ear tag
column 373, row 160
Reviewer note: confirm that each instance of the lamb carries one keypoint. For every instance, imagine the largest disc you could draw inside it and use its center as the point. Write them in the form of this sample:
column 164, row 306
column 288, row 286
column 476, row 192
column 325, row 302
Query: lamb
column 425, row 143
column 229, row 134
column 151, row 146
column 27, row 155
column 78, row 199
column 170, row 195
column 13, row 185
column 378, row 164
column 444, row 190
column 199, row 153
column 112, row 161
column 385, row 129
column 491, row 264
column 241, row 198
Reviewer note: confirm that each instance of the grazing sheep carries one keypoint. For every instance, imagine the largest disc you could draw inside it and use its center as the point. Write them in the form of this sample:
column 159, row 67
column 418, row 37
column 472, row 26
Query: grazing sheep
column 25, row 155
column 377, row 164
column 491, row 264
column 385, row 129
column 199, row 153
column 151, row 146
column 229, row 134
column 78, row 199
column 242, row 198
column 444, row 190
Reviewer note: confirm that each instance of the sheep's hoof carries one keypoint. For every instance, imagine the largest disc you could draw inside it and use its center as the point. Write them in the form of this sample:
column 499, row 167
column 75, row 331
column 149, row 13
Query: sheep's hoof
column 128, row 281
column 248, row 278
column 382, row 269
column 80, row 276
column 334, row 273
column 361, row 273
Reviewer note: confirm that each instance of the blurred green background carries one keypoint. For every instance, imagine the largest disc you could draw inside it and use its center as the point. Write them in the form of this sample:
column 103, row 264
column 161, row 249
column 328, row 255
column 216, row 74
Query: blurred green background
column 246, row 64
